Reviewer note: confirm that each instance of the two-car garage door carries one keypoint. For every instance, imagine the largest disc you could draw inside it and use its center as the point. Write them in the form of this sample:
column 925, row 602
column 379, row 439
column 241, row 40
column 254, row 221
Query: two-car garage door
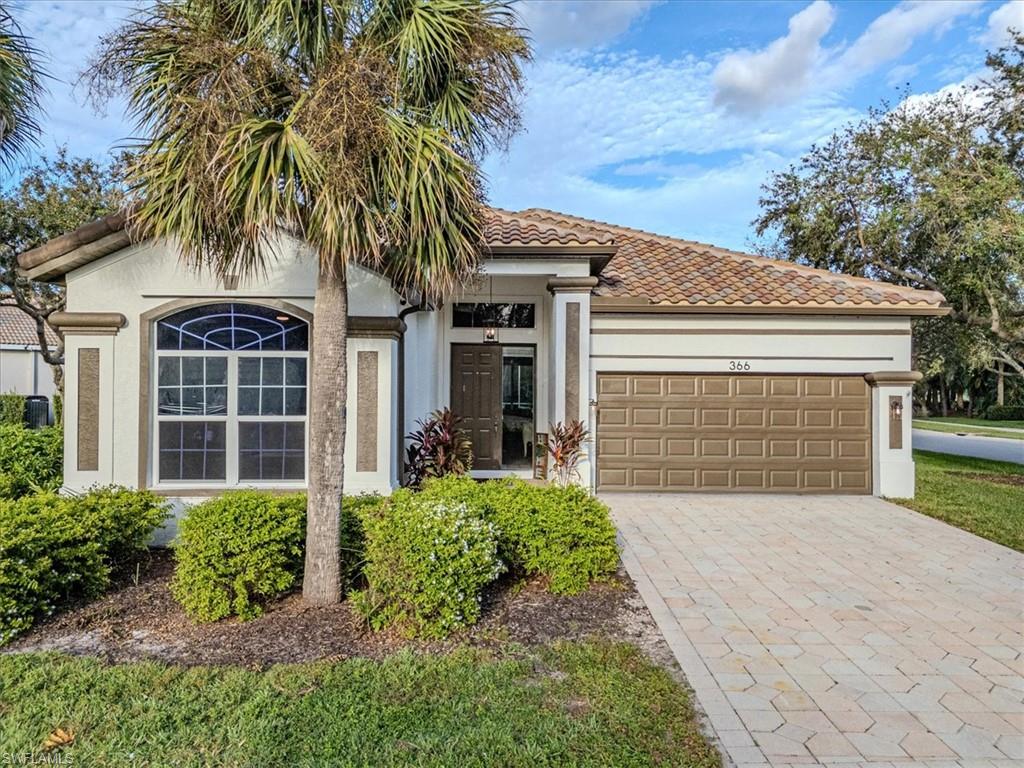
column 684, row 432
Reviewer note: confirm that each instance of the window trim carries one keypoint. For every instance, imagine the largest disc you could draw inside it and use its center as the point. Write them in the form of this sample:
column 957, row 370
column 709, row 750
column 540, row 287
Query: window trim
column 149, row 418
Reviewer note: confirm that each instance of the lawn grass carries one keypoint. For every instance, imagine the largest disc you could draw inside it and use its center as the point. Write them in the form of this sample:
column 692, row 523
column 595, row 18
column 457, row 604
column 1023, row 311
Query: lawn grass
column 585, row 704
column 975, row 422
column 984, row 507
column 934, row 425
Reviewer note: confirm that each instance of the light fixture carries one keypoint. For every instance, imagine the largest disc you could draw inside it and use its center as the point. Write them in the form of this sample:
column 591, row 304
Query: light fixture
column 491, row 329
column 896, row 408
column 282, row 318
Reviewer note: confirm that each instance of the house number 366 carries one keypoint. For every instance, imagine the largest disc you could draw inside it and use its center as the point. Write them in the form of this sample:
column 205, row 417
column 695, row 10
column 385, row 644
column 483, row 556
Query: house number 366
column 739, row 365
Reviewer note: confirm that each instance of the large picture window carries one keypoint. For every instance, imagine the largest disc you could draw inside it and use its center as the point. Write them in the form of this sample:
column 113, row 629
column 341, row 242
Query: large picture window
column 231, row 387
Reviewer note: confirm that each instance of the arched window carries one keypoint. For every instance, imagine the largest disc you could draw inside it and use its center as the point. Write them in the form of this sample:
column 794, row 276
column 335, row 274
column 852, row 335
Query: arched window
column 230, row 400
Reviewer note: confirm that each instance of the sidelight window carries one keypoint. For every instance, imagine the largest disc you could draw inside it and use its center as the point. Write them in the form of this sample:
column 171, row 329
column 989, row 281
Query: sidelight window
column 231, row 391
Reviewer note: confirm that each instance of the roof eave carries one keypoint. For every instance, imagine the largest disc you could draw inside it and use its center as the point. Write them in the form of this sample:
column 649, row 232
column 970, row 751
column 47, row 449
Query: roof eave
column 55, row 268
column 633, row 304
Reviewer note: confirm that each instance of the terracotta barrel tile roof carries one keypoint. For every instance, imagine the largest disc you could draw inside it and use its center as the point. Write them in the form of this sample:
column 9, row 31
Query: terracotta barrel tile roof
column 505, row 228
column 647, row 267
column 19, row 329
column 671, row 271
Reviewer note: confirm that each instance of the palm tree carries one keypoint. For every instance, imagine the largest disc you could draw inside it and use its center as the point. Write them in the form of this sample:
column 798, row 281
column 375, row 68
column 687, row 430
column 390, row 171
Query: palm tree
column 21, row 84
column 356, row 124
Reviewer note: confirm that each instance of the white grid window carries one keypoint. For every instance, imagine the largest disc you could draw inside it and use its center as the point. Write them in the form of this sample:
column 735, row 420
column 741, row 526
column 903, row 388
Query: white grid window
column 231, row 390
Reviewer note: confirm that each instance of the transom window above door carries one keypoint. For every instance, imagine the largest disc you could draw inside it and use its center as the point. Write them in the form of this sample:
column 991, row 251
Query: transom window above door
column 492, row 315
column 230, row 396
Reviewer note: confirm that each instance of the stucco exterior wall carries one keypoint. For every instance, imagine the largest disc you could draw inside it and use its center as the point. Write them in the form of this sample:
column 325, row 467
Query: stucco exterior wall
column 24, row 372
column 140, row 279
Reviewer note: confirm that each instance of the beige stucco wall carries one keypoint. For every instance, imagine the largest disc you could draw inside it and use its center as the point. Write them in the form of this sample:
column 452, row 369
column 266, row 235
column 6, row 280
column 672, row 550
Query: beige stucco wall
column 141, row 278
column 24, row 372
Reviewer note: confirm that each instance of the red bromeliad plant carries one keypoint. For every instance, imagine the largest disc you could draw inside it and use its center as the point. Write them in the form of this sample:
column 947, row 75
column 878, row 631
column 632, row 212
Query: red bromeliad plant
column 565, row 446
column 439, row 447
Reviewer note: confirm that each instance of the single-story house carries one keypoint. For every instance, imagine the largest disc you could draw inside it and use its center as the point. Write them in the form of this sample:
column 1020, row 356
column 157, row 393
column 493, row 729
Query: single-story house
column 23, row 371
column 695, row 368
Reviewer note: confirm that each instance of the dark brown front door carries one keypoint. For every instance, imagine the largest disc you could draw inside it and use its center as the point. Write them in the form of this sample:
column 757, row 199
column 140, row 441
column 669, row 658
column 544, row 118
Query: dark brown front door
column 476, row 398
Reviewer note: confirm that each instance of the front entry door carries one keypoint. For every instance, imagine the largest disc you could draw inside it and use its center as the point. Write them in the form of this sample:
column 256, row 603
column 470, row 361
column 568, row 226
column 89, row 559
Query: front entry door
column 476, row 398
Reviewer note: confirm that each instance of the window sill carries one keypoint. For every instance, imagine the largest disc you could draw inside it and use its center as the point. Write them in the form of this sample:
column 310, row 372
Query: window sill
column 276, row 490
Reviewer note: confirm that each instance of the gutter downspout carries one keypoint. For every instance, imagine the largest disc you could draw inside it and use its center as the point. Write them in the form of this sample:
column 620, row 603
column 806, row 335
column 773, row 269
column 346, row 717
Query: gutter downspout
column 411, row 309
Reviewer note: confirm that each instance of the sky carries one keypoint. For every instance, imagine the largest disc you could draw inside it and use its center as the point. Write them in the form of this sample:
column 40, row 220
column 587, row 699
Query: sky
column 661, row 115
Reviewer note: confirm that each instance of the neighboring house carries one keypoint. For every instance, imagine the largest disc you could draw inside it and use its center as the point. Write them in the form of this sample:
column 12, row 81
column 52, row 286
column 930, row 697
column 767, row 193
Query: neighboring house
column 696, row 368
column 22, row 367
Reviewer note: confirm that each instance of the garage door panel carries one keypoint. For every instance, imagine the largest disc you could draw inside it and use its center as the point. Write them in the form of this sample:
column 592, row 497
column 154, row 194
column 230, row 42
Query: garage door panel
column 750, row 417
column 784, row 387
column 715, row 387
column 613, row 385
column 818, row 417
column 734, row 433
column 714, row 417
column 647, row 446
column 784, row 417
column 815, row 387
column 681, row 446
column 612, row 416
column 680, row 417
column 652, row 386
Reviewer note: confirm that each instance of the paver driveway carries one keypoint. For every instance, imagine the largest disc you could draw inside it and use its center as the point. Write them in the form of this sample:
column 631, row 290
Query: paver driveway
column 835, row 629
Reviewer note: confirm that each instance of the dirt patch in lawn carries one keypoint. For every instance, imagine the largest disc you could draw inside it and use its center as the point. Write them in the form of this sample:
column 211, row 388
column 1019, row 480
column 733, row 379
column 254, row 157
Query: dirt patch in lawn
column 139, row 620
column 992, row 477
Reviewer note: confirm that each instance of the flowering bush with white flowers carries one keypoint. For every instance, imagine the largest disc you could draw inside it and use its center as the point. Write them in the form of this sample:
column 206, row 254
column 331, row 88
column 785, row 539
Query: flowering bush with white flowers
column 427, row 562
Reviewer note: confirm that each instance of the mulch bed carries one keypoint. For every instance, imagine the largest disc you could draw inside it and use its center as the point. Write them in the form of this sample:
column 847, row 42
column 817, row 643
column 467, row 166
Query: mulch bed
column 139, row 620
column 991, row 477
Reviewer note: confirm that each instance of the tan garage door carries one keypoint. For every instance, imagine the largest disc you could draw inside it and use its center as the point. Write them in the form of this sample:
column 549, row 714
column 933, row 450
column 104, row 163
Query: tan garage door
column 675, row 432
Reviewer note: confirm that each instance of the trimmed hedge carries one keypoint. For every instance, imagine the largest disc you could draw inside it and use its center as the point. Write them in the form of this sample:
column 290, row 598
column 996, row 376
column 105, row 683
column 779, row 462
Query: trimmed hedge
column 12, row 410
column 30, row 460
column 563, row 534
column 56, row 549
column 427, row 562
column 237, row 551
column 1005, row 413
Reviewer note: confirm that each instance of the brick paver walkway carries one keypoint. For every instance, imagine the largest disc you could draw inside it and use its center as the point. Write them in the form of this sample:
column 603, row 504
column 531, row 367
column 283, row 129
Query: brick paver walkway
column 835, row 630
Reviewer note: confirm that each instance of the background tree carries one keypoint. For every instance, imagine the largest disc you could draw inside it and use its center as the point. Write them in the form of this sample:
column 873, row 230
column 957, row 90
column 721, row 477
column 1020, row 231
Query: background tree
column 929, row 194
column 357, row 125
column 53, row 196
column 21, row 84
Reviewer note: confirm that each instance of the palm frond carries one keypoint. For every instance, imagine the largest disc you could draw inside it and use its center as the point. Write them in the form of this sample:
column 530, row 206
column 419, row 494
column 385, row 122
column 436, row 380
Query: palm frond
column 21, row 86
column 432, row 195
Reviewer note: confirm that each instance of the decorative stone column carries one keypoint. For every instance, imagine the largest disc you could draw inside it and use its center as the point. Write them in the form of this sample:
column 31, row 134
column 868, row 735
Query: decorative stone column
column 891, row 457
column 89, row 395
column 570, row 329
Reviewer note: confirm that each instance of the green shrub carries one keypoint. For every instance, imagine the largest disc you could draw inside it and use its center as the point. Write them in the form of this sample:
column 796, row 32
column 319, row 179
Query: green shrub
column 427, row 562
column 1005, row 412
column 563, row 534
column 354, row 510
column 12, row 410
column 55, row 549
column 120, row 520
column 30, row 460
column 236, row 551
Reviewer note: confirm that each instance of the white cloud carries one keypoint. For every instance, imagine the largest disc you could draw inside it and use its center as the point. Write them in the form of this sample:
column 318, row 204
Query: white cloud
column 748, row 81
column 890, row 36
column 67, row 34
column 636, row 139
column 1002, row 19
column 791, row 66
column 579, row 23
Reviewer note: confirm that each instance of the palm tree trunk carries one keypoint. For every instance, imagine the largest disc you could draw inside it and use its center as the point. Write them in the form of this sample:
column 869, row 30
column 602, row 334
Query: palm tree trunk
column 321, row 583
